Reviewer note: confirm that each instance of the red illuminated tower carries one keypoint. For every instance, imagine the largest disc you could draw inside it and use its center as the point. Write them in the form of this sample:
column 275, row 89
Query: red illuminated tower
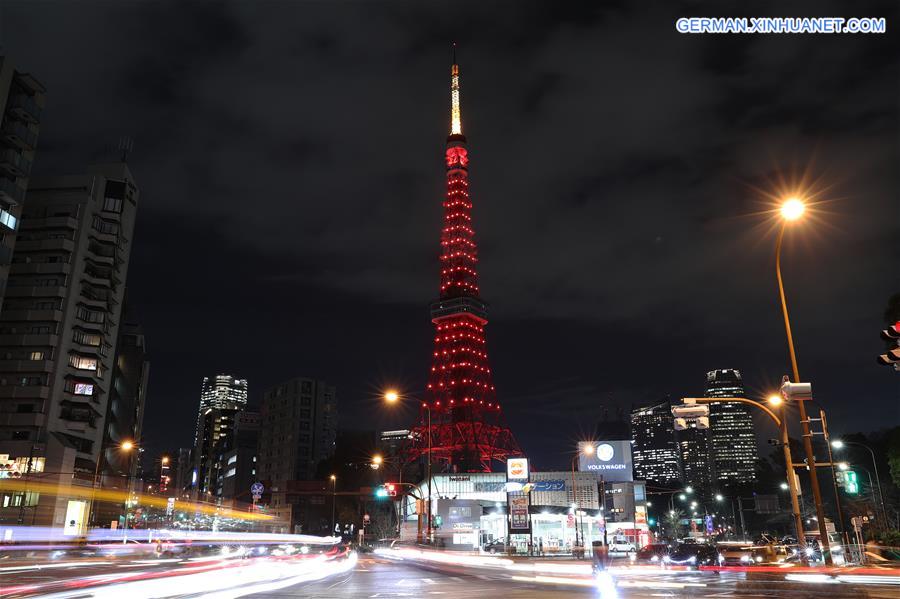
column 467, row 430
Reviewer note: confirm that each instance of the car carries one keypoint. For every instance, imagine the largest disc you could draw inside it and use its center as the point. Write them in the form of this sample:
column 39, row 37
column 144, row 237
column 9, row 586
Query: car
column 621, row 546
column 654, row 554
column 693, row 554
column 748, row 555
column 495, row 546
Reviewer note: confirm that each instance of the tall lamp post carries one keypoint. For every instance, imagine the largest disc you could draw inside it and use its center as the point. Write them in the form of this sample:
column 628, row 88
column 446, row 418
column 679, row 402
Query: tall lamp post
column 791, row 210
column 391, row 396
column 839, row 444
column 333, row 498
column 587, row 449
column 125, row 446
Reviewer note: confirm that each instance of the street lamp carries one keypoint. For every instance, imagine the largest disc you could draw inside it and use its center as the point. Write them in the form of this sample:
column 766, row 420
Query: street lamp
column 333, row 497
column 719, row 497
column 586, row 449
column 791, row 210
column 392, row 396
column 682, row 497
column 838, row 444
column 125, row 446
column 785, row 486
column 774, row 400
column 377, row 460
column 689, row 489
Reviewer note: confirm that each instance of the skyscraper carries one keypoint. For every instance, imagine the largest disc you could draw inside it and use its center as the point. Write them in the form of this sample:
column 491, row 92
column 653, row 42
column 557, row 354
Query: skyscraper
column 298, row 427
column 654, row 451
column 222, row 392
column 21, row 104
column 732, row 440
column 128, row 397
column 59, row 329
column 467, row 433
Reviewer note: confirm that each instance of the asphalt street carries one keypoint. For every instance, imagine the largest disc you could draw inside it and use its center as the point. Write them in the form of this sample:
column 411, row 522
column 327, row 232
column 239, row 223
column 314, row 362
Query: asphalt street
column 377, row 578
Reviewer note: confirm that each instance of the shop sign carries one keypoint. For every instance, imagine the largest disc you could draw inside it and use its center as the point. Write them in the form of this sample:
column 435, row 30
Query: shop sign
column 518, row 512
column 517, row 469
column 548, row 485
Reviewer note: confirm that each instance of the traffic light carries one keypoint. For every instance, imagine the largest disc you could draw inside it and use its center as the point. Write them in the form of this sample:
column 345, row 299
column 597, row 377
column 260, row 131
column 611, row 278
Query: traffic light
column 848, row 481
column 892, row 357
column 796, row 391
column 381, row 492
column 391, row 489
column 690, row 415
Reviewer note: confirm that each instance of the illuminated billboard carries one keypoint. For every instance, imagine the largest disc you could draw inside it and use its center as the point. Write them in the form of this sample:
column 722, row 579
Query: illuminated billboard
column 609, row 459
column 517, row 469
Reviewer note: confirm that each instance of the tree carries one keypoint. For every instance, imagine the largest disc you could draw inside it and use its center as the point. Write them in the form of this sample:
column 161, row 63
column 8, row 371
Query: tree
column 673, row 522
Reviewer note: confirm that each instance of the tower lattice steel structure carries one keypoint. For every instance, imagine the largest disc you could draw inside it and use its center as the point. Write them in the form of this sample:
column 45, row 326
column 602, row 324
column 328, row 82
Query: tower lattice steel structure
column 467, row 429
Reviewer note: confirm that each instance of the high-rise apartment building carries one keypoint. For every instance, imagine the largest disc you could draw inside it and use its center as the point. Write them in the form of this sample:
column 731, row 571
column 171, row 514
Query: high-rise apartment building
column 732, row 441
column 238, row 465
column 21, row 103
column 59, row 329
column 299, row 424
column 654, row 451
column 223, row 392
column 128, row 397
column 215, row 438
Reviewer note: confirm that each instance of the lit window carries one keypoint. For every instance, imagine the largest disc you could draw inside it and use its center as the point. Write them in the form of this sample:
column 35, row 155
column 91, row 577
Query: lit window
column 84, row 389
column 37, row 355
column 83, row 362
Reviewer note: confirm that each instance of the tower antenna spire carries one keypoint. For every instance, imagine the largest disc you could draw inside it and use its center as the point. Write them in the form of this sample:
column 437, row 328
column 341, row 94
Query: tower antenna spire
column 455, row 117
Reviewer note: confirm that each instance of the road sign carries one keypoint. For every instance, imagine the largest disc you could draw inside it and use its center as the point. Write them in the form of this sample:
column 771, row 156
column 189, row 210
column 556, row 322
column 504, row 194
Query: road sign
column 257, row 488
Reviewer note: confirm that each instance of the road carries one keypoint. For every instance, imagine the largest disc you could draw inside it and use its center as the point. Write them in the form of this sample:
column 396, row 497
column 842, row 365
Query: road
column 376, row 578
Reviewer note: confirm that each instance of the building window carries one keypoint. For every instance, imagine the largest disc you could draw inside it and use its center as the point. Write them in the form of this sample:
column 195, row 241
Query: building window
column 82, row 362
column 84, row 338
column 36, row 355
column 25, row 408
column 112, row 205
column 8, row 219
column 21, row 435
column 90, row 315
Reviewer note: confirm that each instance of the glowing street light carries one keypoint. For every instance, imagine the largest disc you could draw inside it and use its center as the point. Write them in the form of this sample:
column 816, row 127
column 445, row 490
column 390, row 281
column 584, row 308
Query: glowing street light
column 775, row 399
column 785, row 486
column 391, row 396
column 588, row 449
column 837, row 444
column 843, row 466
column 719, row 497
column 682, row 497
column 126, row 445
column 792, row 209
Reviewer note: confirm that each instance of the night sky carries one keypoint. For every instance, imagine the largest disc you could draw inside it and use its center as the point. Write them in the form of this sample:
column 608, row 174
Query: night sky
column 290, row 158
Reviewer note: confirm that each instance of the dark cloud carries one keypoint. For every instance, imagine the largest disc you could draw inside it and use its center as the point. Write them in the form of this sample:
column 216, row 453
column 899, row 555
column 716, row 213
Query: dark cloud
column 289, row 156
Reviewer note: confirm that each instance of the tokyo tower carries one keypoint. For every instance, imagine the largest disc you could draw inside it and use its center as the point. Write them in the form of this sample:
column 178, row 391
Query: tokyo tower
column 467, row 430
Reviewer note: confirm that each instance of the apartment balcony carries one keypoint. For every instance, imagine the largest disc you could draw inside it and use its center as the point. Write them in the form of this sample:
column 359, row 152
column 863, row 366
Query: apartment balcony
column 28, row 291
column 28, row 419
column 50, row 222
column 26, row 366
column 14, row 163
column 24, row 107
column 18, row 135
column 10, row 193
column 30, row 316
column 45, row 245
column 29, row 340
column 24, row 391
column 42, row 268
column 6, row 254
